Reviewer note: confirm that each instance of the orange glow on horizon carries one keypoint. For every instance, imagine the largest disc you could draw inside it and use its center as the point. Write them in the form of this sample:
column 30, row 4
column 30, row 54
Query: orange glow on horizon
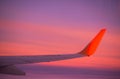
column 65, row 41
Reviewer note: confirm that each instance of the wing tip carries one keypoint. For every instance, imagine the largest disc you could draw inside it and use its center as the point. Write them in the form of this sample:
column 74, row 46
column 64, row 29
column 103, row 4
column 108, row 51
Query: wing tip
column 104, row 29
column 92, row 46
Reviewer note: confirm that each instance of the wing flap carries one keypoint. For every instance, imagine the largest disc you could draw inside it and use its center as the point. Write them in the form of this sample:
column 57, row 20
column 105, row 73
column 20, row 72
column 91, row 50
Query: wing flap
column 13, row 70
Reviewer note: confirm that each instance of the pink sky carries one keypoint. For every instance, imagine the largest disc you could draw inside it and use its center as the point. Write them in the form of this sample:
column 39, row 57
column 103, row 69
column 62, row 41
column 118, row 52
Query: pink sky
column 61, row 27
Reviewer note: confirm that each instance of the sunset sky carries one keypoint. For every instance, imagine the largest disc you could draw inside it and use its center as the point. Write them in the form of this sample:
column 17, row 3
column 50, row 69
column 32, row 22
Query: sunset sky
column 47, row 27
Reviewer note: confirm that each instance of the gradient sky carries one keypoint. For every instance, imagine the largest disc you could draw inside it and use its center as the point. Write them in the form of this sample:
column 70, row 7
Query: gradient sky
column 42, row 27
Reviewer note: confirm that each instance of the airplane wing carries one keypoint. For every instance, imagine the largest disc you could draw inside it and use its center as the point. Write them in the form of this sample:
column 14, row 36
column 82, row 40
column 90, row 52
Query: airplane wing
column 7, row 62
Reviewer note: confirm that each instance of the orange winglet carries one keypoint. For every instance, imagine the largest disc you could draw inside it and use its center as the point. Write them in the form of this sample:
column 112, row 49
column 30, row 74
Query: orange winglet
column 91, row 47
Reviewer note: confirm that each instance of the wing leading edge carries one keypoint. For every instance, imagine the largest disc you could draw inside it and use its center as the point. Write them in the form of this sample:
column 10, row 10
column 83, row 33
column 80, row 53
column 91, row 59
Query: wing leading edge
column 8, row 62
